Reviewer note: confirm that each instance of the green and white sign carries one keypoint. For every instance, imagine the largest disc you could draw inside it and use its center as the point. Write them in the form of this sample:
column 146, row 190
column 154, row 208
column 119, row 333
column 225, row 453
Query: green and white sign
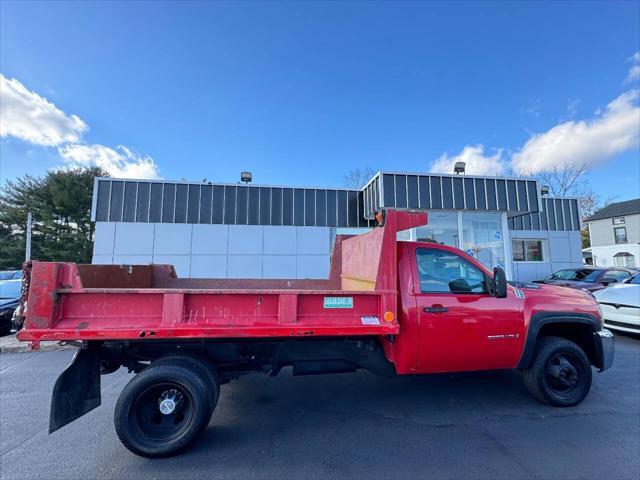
column 338, row 302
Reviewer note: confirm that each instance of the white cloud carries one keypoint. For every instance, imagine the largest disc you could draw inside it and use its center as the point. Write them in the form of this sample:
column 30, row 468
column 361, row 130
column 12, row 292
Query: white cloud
column 476, row 162
column 120, row 162
column 583, row 143
column 534, row 108
column 32, row 118
column 572, row 106
column 634, row 71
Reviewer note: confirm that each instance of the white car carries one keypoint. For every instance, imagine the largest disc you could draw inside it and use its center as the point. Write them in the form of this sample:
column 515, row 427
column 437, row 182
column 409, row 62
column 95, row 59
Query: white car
column 620, row 304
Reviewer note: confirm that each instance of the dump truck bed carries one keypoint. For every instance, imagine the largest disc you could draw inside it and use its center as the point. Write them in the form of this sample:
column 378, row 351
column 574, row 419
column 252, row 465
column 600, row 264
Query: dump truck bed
column 67, row 301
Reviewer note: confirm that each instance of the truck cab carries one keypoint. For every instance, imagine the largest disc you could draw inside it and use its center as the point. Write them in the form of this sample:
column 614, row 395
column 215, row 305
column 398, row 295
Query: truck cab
column 459, row 324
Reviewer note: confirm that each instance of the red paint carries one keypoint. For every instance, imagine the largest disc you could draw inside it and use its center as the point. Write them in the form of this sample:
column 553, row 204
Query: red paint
column 107, row 302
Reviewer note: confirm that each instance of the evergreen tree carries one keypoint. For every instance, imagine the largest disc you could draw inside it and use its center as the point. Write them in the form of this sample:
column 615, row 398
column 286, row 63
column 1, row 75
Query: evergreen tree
column 60, row 203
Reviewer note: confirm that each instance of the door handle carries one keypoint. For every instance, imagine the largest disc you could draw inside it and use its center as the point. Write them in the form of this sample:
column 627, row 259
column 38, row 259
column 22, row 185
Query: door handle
column 435, row 309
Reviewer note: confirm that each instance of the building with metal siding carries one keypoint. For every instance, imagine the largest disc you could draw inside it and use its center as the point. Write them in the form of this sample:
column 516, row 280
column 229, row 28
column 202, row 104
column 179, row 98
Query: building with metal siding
column 207, row 203
column 263, row 231
column 449, row 192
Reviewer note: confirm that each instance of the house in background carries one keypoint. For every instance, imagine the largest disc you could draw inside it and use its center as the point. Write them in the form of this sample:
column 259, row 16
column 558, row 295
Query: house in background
column 614, row 232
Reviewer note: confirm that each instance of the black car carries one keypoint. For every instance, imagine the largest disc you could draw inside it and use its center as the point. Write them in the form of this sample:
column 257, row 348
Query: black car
column 10, row 288
column 589, row 278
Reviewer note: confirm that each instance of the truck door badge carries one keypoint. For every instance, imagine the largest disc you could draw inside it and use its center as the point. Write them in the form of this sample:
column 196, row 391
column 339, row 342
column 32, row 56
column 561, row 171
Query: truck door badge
column 503, row 336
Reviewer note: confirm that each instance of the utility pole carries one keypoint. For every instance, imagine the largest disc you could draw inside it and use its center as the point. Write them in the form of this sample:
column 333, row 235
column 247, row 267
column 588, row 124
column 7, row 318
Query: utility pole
column 27, row 253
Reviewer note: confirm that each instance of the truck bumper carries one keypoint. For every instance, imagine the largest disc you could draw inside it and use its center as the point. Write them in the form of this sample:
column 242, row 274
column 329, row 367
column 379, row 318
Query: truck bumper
column 605, row 347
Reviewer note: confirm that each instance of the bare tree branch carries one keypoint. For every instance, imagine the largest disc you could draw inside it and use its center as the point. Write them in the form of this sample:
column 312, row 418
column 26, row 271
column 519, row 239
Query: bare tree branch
column 566, row 181
column 358, row 177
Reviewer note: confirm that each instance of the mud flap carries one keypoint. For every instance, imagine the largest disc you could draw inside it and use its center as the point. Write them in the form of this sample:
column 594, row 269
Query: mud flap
column 77, row 390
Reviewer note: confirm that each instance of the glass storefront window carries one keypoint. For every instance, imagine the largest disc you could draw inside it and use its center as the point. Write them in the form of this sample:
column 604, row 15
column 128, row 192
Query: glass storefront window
column 482, row 238
column 442, row 228
column 527, row 250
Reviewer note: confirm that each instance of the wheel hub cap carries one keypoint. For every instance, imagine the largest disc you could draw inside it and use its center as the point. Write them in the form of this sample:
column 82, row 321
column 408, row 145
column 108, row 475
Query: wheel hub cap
column 563, row 373
column 169, row 401
column 167, row 407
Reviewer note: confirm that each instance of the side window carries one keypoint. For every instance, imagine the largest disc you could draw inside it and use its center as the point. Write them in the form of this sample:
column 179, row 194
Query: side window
column 441, row 271
column 619, row 275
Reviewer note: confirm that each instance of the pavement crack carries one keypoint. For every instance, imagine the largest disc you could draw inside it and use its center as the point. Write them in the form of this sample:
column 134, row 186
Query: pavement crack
column 504, row 449
column 27, row 357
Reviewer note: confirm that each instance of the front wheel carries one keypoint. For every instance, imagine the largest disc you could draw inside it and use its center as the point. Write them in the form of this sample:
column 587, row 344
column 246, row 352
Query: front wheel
column 560, row 373
column 161, row 410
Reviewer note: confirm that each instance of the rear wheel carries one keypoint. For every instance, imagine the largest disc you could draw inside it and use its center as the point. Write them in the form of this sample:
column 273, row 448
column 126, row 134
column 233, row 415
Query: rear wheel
column 560, row 373
column 162, row 409
column 200, row 366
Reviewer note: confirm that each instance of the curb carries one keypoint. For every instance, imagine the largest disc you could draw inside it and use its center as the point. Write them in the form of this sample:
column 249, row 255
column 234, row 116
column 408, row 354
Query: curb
column 13, row 345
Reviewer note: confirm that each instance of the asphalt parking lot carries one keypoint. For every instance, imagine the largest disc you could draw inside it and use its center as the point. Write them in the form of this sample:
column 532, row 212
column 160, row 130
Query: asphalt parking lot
column 481, row 425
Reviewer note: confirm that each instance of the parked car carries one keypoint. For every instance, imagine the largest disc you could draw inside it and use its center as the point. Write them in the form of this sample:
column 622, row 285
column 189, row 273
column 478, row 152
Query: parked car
column 620, row 304
column 9, row 298
column 10, row 275
column 589, row 278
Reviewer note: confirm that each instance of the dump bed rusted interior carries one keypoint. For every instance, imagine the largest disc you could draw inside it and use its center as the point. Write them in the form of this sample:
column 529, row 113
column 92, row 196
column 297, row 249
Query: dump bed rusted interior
column 67, row 301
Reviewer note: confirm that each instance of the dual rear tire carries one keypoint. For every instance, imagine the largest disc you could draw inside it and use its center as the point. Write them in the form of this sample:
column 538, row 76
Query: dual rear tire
column 165, row 406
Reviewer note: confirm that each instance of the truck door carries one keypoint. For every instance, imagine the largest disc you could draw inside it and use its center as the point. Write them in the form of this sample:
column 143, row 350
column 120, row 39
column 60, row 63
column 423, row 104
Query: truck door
column 461, row 326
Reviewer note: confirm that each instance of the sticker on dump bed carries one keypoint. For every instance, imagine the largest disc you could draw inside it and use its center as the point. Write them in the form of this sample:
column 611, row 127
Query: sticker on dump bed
column 338, row 302
column 370, row 320
column 519, row 293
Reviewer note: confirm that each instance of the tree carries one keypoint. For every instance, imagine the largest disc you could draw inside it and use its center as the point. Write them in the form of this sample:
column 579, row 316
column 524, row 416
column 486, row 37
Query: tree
column 60, row 203
column 571, row 181
column 358, row 177
column 566, row 181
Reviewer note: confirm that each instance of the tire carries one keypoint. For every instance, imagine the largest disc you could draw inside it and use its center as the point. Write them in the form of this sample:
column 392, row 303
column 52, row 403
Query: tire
column 202, row 367
column 5, row 330
column 148, row 431
column 560, row 373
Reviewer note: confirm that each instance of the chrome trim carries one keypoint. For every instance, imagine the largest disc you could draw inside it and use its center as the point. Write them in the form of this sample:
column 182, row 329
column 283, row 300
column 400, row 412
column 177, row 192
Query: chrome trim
column 607, row 348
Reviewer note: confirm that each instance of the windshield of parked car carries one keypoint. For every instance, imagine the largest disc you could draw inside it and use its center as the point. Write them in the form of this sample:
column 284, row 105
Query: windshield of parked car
column 7, row 274
column 635, row 280
column 576, row 275
column 10, row 289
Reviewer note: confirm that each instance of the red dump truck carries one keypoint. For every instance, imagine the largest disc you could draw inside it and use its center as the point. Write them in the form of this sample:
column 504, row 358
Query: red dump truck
column 391, row 307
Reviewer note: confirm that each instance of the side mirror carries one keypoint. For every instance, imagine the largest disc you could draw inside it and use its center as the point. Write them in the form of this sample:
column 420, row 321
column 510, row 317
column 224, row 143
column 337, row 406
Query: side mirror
column 499, row 283
column 607, row 280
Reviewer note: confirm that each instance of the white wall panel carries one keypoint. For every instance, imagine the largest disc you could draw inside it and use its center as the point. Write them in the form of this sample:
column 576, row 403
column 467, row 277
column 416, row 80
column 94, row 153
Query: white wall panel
column 575, row 244
column 208, row 266
column 102, row 259
column 559, row 249
column 210, row 239
column 104, row 238
column 134, row 239
column 279, row 266
column 244, row 266
column 279, row 240
column 313, row 240
column 555, row 266
column 172, row 239
column 245, row 239
column 132, row 259
column 312, row 266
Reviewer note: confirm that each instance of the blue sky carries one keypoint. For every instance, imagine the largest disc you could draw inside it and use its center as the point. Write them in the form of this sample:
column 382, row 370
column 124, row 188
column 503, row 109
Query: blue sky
column 300, row 93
